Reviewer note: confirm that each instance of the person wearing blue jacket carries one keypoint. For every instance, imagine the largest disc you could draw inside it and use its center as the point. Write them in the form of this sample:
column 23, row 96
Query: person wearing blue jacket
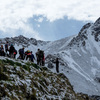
column 32, row 57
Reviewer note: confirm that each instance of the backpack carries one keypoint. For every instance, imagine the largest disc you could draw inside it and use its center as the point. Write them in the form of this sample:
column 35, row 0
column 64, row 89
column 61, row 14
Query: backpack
column 6, row 46
column 19, row 51
column 15, row 52
column 28, row 51
column 41, row 54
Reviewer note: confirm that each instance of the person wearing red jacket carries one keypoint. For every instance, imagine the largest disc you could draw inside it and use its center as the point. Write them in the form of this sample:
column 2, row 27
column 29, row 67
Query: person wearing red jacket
column 15, row 53
column 28, row 54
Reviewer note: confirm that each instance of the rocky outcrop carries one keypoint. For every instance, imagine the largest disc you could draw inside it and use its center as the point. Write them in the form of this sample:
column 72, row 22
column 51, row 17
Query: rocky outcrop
column 96, row 30
column 81, row 37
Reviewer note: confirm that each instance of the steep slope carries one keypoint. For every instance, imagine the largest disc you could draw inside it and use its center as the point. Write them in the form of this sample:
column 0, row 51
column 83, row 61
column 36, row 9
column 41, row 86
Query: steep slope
column 80, row 59
column 56, row 46
column 26, row 81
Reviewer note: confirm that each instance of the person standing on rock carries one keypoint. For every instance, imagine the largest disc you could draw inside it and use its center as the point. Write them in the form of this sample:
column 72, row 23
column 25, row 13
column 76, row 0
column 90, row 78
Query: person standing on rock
column 57, row 65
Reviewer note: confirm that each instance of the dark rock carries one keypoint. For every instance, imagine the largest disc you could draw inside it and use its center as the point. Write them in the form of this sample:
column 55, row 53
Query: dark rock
column 97, row 79
column 95, row 97
column 50, row 65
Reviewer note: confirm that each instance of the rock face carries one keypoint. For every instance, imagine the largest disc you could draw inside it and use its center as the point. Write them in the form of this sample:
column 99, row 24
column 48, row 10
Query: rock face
column 27, row 81
column 96, row 30
column 81, row 37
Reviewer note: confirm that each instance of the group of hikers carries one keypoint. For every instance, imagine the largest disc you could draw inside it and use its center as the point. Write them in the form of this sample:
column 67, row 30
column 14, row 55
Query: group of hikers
column 25, row 55
column 22, row 54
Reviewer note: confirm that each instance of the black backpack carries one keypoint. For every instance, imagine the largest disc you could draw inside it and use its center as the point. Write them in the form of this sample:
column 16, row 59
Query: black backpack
column 41, row 54
column 19, row 51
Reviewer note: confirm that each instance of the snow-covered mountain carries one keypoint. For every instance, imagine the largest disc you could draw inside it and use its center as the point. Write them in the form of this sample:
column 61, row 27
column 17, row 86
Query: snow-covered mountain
column 79, row 56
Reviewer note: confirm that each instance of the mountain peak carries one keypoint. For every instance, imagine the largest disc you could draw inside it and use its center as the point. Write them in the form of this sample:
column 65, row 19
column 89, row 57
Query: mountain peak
column 97, row 21
column 87, row 30
column 81, row 37
column 20, row 36
column 84, row 28
column 95, row 30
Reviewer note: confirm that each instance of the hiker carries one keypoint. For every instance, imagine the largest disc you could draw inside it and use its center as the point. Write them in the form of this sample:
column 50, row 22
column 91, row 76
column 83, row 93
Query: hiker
column 41, row 56
column 21, row 53
column 11, row 51
column 28, row 54
column 32, row 57
column 2, row 53
column 38, row 58
column 6, row 47
column 43, row 59
column 57, row 65
column 15, row 53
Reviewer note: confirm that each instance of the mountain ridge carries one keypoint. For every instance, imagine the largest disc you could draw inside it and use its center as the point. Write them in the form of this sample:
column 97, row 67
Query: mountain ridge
column 26, row 81
column 79, row 57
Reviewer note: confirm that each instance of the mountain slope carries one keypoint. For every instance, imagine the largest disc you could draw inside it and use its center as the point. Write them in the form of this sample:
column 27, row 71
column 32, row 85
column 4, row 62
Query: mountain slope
column 79, row 56
column 80, row 59
column 26, row 81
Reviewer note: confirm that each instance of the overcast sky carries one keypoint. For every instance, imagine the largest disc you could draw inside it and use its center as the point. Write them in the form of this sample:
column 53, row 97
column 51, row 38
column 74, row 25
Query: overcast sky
column 46, row 19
